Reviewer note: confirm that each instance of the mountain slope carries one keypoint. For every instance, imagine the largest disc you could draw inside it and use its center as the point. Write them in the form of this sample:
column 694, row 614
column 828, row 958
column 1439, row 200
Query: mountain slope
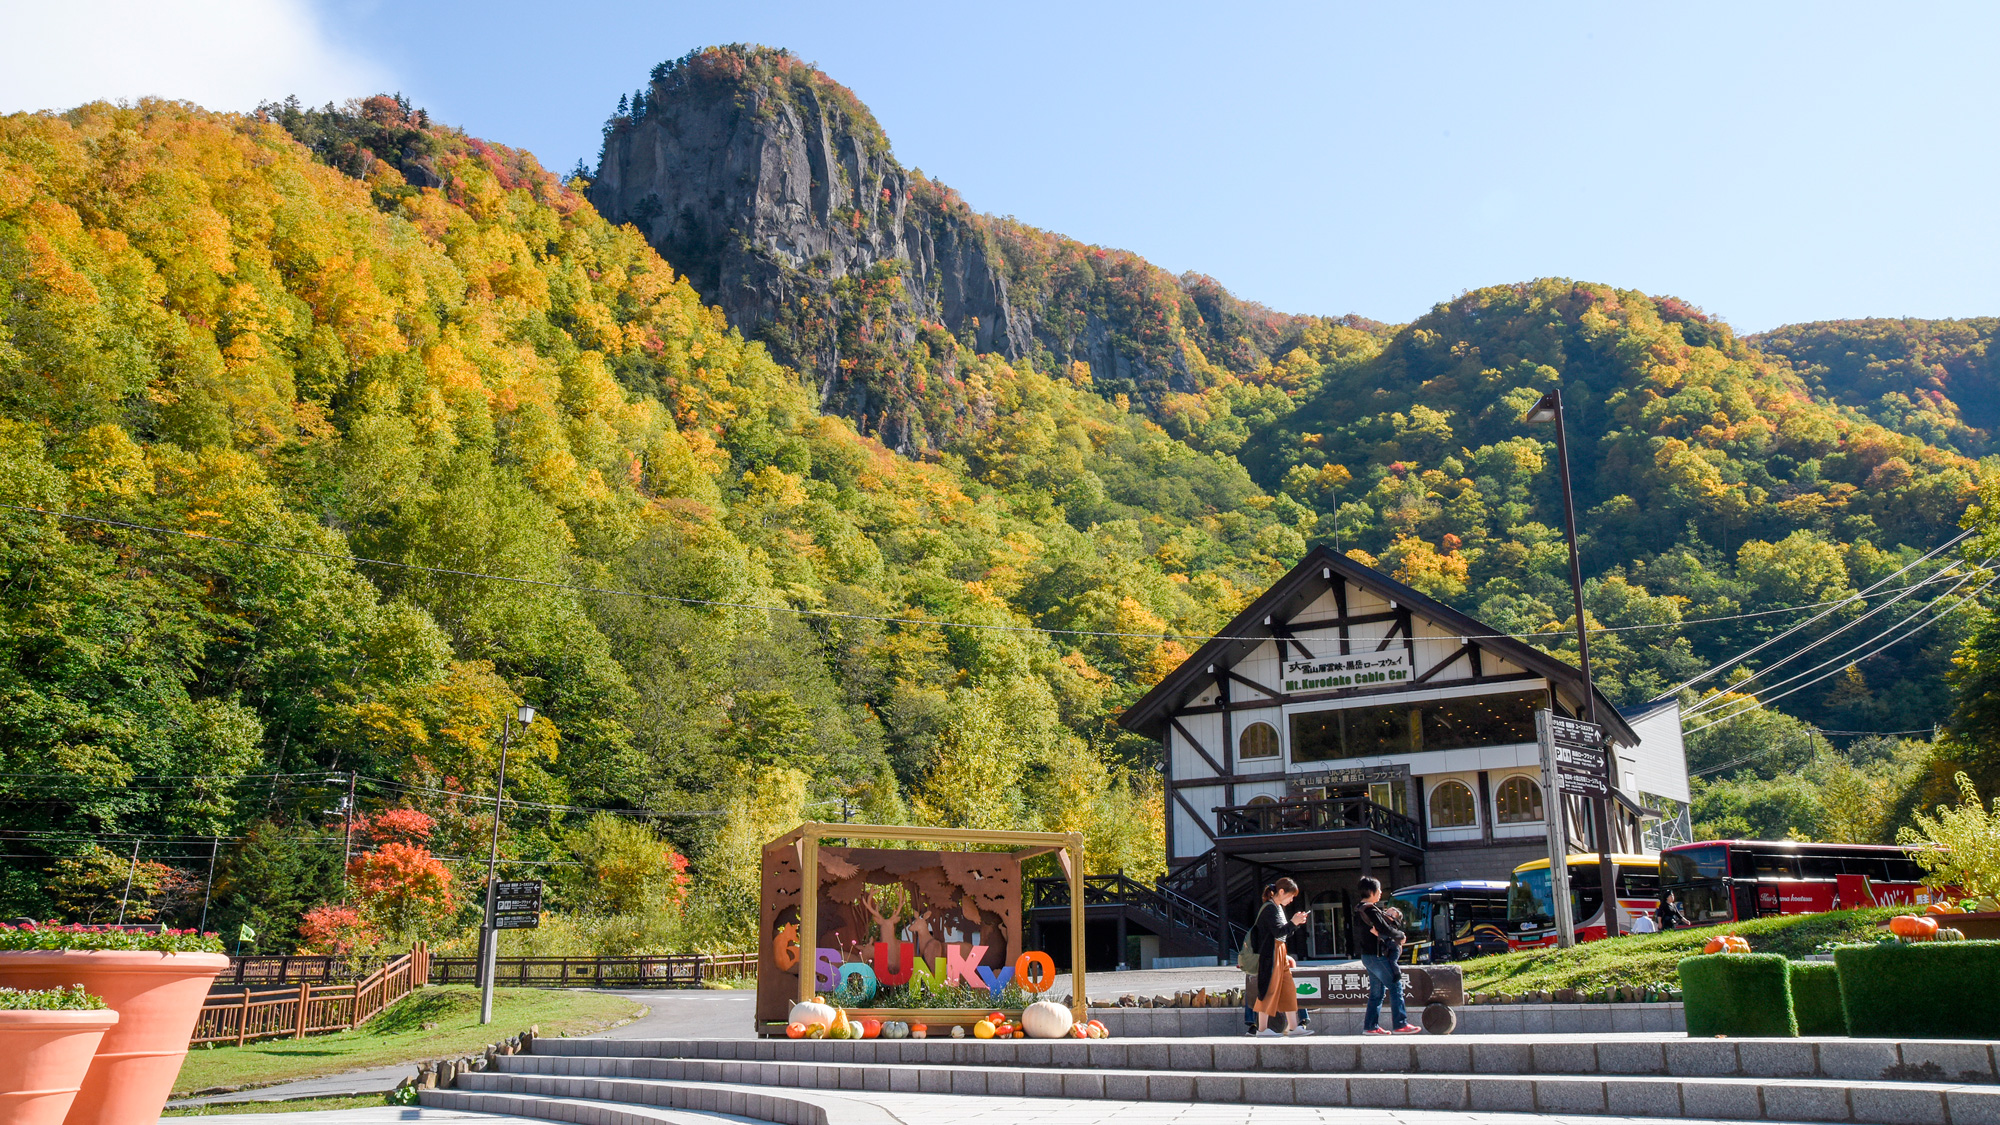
column 208, row 327
column 774, row 188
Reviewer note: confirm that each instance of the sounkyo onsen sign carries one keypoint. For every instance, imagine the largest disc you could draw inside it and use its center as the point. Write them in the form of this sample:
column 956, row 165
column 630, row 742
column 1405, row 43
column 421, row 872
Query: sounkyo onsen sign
column 1369, row 669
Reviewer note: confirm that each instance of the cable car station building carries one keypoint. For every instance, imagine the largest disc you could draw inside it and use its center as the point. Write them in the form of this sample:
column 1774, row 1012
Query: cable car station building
column 1346, row 725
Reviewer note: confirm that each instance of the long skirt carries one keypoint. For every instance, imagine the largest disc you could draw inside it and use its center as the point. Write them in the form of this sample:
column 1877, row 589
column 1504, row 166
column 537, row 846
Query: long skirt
column 1280, row 995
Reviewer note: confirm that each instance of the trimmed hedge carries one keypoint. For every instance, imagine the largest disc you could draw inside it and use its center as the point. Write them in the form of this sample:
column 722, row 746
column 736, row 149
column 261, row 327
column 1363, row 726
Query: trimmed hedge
column 1738, row 994
column 1816, row 998
column 1921, row 990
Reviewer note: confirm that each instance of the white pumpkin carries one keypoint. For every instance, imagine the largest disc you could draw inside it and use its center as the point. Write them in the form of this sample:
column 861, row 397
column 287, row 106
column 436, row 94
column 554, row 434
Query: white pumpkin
column 1046, row 1019
column 810, row 1012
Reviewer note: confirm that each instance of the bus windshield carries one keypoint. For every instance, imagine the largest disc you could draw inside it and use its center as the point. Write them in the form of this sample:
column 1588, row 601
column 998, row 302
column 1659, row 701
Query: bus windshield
column 1529, row 898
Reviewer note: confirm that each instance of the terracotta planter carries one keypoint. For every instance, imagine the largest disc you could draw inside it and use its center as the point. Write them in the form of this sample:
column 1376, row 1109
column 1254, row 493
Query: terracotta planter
column 157, row 996
column 43, row 1057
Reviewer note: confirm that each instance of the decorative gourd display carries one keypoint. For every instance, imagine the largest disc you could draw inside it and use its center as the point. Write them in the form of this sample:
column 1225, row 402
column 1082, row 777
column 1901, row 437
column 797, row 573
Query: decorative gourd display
column 1946, row 933
column 842, row 1027
column 1046, row 1019
column 895, row 1029
column 812, row 1013
column 1912, row 927
column 1726, row 943
column 1945, row 908
column 920, row 1031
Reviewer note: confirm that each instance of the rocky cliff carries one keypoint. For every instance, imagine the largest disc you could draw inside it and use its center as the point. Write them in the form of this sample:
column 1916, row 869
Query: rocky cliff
column 774, row 190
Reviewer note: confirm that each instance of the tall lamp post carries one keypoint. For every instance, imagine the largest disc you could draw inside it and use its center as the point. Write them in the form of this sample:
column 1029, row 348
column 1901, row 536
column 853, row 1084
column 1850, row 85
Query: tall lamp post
column 1550, row 409
column 489, row 936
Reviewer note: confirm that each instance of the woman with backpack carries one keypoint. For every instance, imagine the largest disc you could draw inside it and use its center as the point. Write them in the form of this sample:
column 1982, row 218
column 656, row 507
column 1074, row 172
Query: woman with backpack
column 1381, row 941
column 1275, row 990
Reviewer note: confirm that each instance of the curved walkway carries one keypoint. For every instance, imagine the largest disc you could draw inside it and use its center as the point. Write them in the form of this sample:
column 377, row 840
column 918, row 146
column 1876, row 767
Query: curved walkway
column 670, row 1014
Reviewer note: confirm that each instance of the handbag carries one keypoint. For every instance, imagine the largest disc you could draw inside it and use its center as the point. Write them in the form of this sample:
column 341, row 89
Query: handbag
column 1246, row 959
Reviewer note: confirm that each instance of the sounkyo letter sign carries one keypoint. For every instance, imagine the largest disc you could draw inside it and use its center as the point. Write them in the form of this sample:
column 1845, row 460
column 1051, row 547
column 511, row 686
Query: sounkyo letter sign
column 1360, row 670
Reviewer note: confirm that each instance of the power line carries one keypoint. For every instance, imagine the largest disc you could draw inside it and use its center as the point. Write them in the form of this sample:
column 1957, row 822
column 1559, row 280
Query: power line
column 1760, row 702
column 1719, row 700
column 577, row 588
column 1740, row 657
column 1706, row 705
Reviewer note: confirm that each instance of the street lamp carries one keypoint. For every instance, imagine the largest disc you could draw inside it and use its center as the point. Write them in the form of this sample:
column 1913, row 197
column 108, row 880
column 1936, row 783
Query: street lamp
column 489, row 935
column 1550, row 409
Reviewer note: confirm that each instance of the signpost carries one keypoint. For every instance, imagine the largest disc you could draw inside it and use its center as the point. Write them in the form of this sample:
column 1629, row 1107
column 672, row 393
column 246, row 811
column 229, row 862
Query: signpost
column 517, row 906
column 1573, row 760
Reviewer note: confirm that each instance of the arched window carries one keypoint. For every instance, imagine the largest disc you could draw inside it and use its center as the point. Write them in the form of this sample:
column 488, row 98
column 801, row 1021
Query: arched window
column 1262, row 799
column 1519, row 801
column 1260, row 740
column 1451, row 806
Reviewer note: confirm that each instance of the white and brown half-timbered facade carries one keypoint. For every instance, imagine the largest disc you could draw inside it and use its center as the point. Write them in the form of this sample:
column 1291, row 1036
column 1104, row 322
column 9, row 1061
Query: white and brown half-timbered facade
column 1345, row 724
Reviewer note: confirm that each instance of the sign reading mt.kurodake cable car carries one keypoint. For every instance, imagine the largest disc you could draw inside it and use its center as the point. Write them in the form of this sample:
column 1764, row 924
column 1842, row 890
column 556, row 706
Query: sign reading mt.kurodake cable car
column 1362, row 669
column 1579, row 756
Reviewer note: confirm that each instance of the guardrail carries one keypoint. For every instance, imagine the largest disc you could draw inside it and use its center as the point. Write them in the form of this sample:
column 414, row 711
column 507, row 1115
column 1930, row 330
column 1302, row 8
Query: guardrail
column 308, row 1009
column 683, row 970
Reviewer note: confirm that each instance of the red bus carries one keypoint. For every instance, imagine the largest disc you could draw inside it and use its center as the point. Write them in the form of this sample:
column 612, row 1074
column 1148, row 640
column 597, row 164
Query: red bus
column 1735, row 880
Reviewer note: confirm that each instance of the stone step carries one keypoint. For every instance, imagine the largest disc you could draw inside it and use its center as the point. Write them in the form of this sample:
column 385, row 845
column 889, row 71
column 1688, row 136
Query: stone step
column 1475, row 1019
column 612, row 1102
column 1747, row 1099
column 1870, row 1060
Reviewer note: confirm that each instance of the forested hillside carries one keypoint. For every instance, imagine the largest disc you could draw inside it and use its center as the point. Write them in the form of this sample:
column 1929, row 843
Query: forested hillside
column 329, row 437
column 210, row 331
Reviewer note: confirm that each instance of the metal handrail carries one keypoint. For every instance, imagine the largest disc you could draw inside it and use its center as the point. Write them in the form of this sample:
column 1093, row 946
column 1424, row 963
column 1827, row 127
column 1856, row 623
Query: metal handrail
column 1328, row 814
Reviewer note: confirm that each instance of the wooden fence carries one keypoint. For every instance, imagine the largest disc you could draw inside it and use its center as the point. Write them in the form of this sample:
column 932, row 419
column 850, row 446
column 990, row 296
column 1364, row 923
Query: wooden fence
column 305, row 1009
column 674, row 971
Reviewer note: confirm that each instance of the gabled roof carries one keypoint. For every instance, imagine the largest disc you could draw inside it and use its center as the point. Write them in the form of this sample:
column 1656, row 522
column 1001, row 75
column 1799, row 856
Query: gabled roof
column 1299, row 588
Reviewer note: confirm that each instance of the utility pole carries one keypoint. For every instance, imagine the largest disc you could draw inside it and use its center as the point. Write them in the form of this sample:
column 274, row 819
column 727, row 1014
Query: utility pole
column 347, row 842
column 489, row 934
column 129, row 872
column 214, row 846
column 1550, row 409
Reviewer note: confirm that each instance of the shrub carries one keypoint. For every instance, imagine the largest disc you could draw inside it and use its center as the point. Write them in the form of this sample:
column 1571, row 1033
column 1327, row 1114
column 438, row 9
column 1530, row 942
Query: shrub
column 1738, row 994
column 1924, row 990
column 1816, row 998
column 53, row 936
column 71, row 999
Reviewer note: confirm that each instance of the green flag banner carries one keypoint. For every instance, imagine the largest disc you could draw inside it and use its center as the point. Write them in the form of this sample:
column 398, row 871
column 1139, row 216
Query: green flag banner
column 245, row 933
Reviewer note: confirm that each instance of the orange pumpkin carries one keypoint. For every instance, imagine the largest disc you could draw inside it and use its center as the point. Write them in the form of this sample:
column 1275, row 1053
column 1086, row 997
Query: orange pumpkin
column 795, row 1031
column 1726, row 943
column 1907, row 925
column 919, row 1031
column 871, row 1028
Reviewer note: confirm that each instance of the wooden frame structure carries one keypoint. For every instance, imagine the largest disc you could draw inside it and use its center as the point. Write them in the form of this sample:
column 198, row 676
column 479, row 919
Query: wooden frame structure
column 1068, row 849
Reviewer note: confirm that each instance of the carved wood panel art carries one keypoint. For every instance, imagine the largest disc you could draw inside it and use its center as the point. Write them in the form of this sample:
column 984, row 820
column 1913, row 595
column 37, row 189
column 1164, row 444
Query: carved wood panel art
column 929, row 898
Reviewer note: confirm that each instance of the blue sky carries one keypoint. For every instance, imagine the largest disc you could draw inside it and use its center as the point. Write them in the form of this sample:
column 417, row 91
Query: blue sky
column 1769, row 162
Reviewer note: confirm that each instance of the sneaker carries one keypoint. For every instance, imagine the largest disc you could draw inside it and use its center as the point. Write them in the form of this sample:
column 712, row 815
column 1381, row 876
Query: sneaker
column 1267, row 1033
column 1374, row 1031
column 1408, row 1029
column 1297, row 1032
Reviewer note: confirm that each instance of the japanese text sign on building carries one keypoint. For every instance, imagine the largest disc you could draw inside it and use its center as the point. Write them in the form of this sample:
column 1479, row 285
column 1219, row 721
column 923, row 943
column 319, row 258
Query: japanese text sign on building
column 1578, row 749
column 1359, row 670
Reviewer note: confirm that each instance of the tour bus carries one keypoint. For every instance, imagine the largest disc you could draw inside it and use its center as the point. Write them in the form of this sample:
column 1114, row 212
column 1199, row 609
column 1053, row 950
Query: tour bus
column 1736, row 880
column 1531, row 922
column 1453, row 920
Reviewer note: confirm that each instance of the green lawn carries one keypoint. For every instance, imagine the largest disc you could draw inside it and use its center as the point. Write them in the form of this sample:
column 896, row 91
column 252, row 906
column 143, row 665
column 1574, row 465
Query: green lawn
column 398, row 1035
column 305, row 1105
column 1642, row 959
